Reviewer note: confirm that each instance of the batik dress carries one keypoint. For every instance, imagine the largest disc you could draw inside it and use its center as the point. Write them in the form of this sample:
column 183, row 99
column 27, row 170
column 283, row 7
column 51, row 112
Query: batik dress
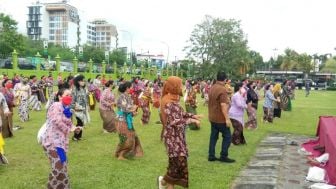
column 176, row 146
column 129, row 143
column 7, row 121
column 55, row 144
column 145, row 101
column 156, row 95
column 191, row 106
column 107, row 101
column 34, row 101
column 22, row 94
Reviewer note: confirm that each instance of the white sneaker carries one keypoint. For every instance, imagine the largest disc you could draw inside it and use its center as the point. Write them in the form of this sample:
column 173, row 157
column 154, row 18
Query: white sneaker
column 160, row 178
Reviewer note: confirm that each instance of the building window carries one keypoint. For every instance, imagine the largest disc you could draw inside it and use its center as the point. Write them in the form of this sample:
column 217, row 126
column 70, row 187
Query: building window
column 51, row 37
column 52, row 25
column 51, row 31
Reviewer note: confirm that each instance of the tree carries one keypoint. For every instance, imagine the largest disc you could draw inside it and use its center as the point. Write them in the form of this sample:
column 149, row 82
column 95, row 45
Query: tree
column 220, row 43
column 330, row 66
column 118, row 56
column 10, row 39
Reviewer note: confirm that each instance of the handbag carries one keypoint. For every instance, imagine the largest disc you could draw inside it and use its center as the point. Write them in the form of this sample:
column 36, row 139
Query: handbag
column 42, row 133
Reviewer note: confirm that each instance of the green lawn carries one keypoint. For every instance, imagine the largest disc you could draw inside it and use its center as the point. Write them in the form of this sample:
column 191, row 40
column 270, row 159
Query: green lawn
column 92, row 164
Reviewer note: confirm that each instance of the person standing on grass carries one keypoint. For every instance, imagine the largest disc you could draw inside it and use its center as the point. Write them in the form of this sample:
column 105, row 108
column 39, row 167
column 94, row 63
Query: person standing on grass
column 55, row 142
column 219, row 118
column 79, row 105
column 252, row 106
column 22, row 93
column 307, row 88
column 268, row 104
column 6, row 112
column 7, row 121
column 175, row 121
column 106, row 108
column 129, row 143
column 277, row 104
column 145, row 101
column 191, row 103
column 236, row 114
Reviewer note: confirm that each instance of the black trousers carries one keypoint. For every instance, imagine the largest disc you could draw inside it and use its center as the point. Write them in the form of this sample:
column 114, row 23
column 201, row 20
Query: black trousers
column 79, row 124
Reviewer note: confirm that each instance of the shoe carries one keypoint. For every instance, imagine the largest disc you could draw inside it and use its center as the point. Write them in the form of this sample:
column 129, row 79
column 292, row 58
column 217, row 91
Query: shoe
column 159, row 180
column 3, row 159
column 74, row 139
column 213, row 159
column 227, row 160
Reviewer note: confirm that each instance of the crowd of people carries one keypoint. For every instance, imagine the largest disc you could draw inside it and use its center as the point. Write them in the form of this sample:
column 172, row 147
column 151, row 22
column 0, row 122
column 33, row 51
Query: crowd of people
column 68, row 110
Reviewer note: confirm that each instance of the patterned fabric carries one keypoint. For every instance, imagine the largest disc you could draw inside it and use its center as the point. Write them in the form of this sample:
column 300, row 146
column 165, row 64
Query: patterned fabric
column 4, row 107
column 145, row 101
column 107, row 99
column 129, row 143
column 174, row 132
column 35, row 103
column 7, row 123
column 80, row 105
column 58, row 177
column 268, row 114
column 22, row 93
column 237, row 135
column 177, row 171
column 191, row 98
column 108, row 117
column 24, row 110
column 269, row 98
column 252, row 118
column 156, row 95
column 238, row 105
column 58, row 128
column 192, row 110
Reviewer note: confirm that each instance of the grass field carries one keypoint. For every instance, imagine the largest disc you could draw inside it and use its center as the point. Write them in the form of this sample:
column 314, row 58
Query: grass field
column 92, row 164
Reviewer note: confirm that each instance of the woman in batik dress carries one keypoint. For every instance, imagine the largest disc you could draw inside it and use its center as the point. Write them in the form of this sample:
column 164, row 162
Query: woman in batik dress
column 191, row 103
column 252, row 106
column 145, row 101
column 22, row 93
column 6, row 112
column 129, row 143
column 79, row 105
column 236, row 114
column 7, row 121
column 156, row 94
column 34, row 101
column 277, row 104
column 55, row 141
column 106, row 109
column 175, row 121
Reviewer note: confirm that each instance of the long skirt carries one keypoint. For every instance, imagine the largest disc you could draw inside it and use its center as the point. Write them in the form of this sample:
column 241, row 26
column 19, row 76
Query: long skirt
column 24, row 110
column 177, row 171
column 277, row 112
column 7, row 124
column 97, row 94
column 156, row 100
column 41, row 96
column 144, row 103
column 190, row 109
column 58, row 177
column 268, row 114
column 237, row 135
column 129, row 143
column 108, row 118
column 35, row 103
column 252, row 118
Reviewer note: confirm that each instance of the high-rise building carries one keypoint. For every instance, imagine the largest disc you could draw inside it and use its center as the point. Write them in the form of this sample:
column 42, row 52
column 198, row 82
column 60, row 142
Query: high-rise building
column 58, row 23
column 102, row 34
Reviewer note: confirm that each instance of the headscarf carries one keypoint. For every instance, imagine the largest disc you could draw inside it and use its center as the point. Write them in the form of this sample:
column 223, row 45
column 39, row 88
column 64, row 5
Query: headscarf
column 172, row 90
column 276, row 88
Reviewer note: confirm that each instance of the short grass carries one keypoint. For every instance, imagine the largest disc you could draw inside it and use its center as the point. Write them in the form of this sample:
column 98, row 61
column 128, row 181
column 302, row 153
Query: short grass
column 92, row 164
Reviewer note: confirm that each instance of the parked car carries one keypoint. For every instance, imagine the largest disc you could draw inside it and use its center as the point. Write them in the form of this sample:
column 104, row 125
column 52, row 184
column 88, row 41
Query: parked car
column 23, row 64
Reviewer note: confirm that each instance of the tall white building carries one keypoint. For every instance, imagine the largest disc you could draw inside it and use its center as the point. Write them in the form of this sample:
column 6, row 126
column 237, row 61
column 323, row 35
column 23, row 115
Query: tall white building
column 102, row 34
column 58, row 23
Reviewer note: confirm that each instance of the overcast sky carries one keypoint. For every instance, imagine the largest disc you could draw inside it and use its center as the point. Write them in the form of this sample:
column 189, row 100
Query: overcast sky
column 303, row 25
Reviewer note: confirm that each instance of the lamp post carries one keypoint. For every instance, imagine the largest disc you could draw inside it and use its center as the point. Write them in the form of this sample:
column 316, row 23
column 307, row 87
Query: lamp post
column 167, row 52
column 131, row 37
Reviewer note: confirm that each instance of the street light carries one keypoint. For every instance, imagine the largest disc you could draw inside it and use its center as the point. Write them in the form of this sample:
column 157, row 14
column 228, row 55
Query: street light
column 168, row 50
column 131, row 37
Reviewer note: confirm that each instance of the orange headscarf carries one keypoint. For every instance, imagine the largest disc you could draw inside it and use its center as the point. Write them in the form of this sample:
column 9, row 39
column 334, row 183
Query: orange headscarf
column 172, row 90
